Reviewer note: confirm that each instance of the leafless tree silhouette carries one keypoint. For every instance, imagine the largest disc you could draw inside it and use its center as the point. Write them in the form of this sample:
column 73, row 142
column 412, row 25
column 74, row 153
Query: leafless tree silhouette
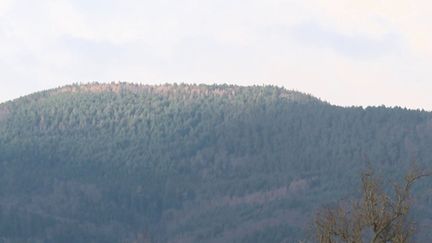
column 378, row 217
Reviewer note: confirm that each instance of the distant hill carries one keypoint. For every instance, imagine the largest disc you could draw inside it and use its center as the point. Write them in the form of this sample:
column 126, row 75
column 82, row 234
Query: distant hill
column 192, row 163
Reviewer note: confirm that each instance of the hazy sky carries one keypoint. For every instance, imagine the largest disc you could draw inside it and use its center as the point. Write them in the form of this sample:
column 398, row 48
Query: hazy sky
column 348, row 52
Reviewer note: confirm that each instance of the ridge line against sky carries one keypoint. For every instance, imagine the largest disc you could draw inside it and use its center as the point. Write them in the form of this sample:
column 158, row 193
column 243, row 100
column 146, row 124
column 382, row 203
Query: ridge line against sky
column 358, row 52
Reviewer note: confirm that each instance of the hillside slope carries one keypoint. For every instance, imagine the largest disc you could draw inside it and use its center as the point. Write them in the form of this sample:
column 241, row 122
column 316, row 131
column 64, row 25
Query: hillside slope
column 190, row 163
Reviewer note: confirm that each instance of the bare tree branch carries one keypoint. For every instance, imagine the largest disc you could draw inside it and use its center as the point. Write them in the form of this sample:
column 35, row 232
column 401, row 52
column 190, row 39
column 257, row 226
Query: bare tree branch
column 377, row 216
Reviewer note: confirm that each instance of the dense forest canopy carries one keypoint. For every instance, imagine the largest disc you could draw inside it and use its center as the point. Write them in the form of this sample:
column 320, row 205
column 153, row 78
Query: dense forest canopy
column 192, row 163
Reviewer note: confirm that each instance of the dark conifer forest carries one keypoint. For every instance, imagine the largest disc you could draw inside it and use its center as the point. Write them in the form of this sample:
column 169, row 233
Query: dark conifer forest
column 194, row 163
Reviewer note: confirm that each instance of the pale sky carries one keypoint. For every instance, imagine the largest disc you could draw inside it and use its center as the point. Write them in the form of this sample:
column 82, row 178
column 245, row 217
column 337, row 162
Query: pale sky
column 347, row 52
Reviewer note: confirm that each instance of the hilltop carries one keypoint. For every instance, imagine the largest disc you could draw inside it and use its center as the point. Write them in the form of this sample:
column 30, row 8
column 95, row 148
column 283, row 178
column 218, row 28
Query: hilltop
column 191, row 163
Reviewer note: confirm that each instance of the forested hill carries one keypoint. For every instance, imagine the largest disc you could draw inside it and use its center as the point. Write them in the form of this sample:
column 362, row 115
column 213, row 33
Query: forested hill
column 192, row 163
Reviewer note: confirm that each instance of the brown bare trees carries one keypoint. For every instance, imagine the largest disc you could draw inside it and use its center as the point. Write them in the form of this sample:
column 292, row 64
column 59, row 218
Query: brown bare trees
column 378, row 217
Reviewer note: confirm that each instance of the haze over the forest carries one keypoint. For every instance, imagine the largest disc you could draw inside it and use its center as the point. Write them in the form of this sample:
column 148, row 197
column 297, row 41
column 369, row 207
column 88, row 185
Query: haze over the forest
column 357, row 52
column 193, row 163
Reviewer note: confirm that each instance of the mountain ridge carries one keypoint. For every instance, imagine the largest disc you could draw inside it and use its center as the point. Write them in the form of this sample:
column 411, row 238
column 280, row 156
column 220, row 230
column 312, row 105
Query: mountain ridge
column 202, row 90
column 185, row 164
column 167, row 88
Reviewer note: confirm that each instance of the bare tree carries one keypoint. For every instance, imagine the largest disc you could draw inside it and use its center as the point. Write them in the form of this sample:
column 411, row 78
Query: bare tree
column 378, row 217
